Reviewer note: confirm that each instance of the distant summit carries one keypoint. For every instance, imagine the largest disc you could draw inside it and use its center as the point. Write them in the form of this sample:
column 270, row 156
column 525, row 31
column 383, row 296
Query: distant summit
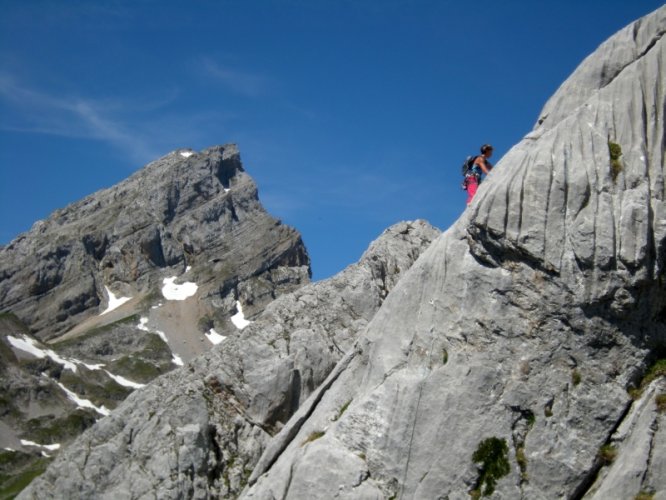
column 127, row 284
column 188, row 215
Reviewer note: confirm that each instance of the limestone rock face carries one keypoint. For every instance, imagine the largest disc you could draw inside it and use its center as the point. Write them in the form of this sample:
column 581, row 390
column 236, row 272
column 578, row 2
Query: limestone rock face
column 524, row 324
column 199, row 431
column 637, row 448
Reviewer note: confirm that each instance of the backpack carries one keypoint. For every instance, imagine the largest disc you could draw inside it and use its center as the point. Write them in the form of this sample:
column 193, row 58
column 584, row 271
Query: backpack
column 468, row 164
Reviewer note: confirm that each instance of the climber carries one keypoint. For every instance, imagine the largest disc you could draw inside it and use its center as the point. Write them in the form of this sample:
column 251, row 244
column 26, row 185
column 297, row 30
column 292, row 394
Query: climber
column 481, row 166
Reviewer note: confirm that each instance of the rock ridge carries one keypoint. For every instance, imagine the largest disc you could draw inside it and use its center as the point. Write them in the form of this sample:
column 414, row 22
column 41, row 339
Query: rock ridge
column 221, row 409
column 565, row 244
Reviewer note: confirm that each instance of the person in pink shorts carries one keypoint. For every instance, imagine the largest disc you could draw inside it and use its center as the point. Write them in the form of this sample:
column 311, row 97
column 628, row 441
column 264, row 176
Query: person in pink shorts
column 480, row 167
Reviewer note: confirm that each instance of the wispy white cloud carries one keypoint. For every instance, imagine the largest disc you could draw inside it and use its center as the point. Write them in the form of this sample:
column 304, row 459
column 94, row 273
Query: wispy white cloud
column 35, row 111
column 238, row 81
column 139, row 129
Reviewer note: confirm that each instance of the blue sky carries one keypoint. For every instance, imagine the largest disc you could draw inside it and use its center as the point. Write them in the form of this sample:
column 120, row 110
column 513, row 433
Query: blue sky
column 350, row 115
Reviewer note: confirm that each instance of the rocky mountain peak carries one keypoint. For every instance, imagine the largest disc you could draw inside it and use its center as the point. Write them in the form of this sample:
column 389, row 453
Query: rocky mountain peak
column 598, row 70
column 183, row 211
column 125, row 285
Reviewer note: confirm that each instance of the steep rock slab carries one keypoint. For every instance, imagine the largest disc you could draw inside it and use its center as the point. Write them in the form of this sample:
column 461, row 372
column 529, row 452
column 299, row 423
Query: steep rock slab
column 186, row 212
column 198, row 432
column 520, row 329
column 638, row 448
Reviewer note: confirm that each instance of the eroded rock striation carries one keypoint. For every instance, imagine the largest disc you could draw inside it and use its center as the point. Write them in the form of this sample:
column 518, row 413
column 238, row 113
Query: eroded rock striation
column 512, row 342
column 198, row 432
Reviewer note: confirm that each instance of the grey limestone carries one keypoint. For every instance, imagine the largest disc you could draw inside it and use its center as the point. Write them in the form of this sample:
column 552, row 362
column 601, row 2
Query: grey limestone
column 527, row 320
column 199, row 431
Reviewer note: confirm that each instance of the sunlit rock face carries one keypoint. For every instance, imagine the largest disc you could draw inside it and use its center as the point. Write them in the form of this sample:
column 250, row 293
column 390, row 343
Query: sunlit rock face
column 527, row 321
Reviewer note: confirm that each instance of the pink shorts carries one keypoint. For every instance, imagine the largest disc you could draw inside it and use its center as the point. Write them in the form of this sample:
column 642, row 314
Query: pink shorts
column 472, row 186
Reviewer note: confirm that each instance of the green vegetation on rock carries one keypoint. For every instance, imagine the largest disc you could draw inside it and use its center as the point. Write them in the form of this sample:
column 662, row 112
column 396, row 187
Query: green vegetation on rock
column 205, row 323
column 492, row 455
column 50, row 430
column 615, row 152
column 136, row 369
column 313, row 437
column 343, row 409
column 14, row 321
column 95, row 386
column 94, row 332
column 575, row 377
column 656, row 370
column 607, row 454
column 661, row 402
column 17, row 470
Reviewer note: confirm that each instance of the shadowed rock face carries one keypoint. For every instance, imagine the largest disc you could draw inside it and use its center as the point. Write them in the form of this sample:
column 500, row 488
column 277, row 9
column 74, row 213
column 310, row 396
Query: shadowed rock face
column 186, row 209
column 199, row 431
column 527, row 321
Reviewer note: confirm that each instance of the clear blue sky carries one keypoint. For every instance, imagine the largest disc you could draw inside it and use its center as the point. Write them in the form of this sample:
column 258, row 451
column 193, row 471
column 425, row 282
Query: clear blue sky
column 350, row 115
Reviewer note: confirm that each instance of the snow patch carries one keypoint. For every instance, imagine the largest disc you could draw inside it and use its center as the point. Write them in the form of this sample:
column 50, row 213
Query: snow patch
column 50, row 447
column 214, row 337
column 162, row 335
column 143, row 322
column 114, row 302
column 188, row 269
column 238, row 319
column 83, row 403
column 143, row 325
column 124, row 382
column 172, row 291
column 186, row 154
column 26, row 344
column 177, row 360
column 93, row 367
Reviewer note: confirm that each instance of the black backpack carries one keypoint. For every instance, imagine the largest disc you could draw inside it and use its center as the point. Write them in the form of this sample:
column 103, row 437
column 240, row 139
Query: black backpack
column 468, row 164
